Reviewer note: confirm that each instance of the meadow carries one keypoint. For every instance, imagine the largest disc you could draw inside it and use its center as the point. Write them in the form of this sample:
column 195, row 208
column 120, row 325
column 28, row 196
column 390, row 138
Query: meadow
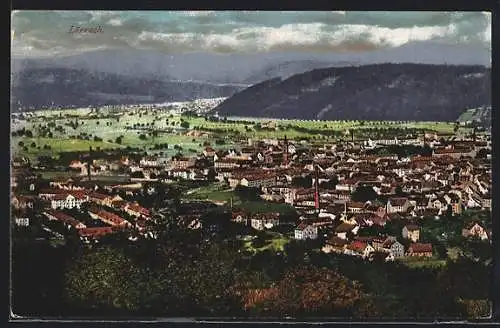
column 77, row 130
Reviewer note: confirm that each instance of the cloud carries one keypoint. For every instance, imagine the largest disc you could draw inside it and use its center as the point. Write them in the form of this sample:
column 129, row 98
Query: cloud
column 115, row 22
column 297, row 37
column 198, row 13
column 236, row 31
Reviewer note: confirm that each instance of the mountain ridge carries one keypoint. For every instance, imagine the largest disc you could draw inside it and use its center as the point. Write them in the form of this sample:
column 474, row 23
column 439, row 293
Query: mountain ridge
column 370, row 92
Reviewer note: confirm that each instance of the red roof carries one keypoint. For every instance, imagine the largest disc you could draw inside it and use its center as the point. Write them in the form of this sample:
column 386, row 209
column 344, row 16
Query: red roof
column 357, row 245
column 63, row 217
column 115, row 219
column 98, row 196
column 420, row 248
column 138, row 209
column 62, row 196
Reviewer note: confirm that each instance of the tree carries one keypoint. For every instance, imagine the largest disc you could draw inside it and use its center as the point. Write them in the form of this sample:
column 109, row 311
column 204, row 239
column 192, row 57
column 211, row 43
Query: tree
column 330, row 184
column 364, row 194
column 399, row 191
column 185, row 125
column 119, row 140
column 104, row 278
column 211, row 175
column 315, row 291
column 142, row 137
column 247, row 193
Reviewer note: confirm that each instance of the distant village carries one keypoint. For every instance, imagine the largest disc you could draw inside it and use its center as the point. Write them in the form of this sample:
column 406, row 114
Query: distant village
column 320, row 181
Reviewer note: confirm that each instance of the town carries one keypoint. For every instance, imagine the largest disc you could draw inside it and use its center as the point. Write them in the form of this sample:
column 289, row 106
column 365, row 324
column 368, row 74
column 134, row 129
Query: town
column 415, row 197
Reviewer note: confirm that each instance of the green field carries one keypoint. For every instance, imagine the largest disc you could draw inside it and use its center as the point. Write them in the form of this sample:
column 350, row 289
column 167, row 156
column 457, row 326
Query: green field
column 422, row 262
column 214, row 192
column 276, row 243
column 108, row 125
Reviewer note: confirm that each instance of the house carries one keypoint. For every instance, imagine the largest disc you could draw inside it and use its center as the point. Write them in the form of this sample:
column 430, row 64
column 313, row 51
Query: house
column 393, row 247
column 67, row 220
column 22, row 222
column 137, row 211
column 474, row 229
column 226, row 163
column 179, row 162
column 183, row 173
column 355, row 207
column 149, row 161
column 23, row 202
column 141, row 225
column 346, row 185
column 412, row 232
column 76, row 165
column 454, row 203
column 258, row 180
column 438, row 203
column 100, row 199
column 344, row 229
column 335, row 245
column 263, row 221
column 209, row 152
column 359, row 248
column 68, row 200
column 306, row 231
column 420, row 250
column 239, row 217
column 88, row 234
column 190, row 221
column 486, row 201
column 109, row 218
column 368, row 219
column 397, row 205
column 378, row 255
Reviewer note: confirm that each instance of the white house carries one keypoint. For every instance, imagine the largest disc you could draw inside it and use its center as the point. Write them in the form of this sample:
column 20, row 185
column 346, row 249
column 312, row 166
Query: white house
column 61, row 201
column 393, row 247
column 305, row 231
column 475, row 230
column 264, row 221
column 397, row 205
column 22, row 222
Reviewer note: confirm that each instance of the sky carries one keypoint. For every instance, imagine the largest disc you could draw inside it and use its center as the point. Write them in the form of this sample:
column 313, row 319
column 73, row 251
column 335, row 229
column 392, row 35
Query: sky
column 46, row 33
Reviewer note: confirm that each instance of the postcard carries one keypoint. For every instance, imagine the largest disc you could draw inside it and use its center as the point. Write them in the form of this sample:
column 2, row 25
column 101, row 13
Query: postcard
column 323, row 165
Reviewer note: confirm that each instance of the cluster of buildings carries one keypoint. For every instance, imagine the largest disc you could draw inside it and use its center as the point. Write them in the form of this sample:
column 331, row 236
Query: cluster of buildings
column 318, row 180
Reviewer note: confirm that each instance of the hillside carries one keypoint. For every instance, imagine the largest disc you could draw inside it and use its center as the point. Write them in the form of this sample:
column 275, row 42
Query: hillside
column 481, row 115
column 51, row 87
column 373, row 92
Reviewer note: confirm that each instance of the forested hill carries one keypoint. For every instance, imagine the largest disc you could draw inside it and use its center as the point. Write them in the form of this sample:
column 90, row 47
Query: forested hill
column 371, row 92
column 40, row 88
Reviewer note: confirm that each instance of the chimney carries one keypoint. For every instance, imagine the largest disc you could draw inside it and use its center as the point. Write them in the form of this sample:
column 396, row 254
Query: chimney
column 316, row 188
column 285, row 154
column 88, row 163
